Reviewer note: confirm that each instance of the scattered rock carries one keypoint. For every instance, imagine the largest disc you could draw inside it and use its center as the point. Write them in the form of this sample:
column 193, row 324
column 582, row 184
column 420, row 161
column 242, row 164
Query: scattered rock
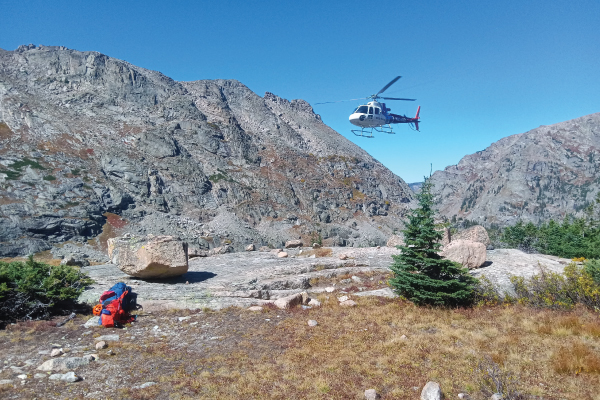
column 496, row 396
column 469, row 254
column 282, row 254
column 55, row 377
column 5, row 381
column 194, row 252
column 63, row 363
column 312, row 322
column 221, row 250
column 108, row 338
column 431, row 391
column 181, row 319
column 464, row 396
column 75, row 261
column 343, row 257
column 145, row 385
column 291, row 244
column 39, row 376
column 264, row 249
column 149, row 257
column 56, row 352
column 22, row 376
column 343, row 298
column 70, row 377
column 348, row 303
column 250, row 247
column 316, row 246
column 255, row 308
column 276, row 251
column 92, row 322
column 289, row 301
column 403, row 337
column 91, row 357
column 314, row 303
column 330, row 289
column 101, row 345
column 385, row 292
column 356, row 279
column 371, row 394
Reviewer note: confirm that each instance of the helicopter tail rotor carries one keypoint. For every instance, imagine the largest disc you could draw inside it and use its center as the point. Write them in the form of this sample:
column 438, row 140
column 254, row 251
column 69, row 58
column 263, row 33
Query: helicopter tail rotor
column 417, row 118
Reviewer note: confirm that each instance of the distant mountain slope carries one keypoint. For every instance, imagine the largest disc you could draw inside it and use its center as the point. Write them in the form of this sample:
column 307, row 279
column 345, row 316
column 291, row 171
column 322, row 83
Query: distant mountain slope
column 83, row 134
column 545, row 173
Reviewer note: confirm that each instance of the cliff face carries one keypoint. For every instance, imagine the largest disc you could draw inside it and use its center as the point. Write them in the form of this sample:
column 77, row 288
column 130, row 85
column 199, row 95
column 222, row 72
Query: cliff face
column 83, row 135
column 545, row 173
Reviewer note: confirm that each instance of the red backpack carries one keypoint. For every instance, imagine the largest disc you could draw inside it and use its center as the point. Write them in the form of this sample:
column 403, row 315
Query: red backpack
column 111, row 310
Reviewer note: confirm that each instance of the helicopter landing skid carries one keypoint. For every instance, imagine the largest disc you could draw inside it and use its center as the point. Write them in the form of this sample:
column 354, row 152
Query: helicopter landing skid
column 368, row 132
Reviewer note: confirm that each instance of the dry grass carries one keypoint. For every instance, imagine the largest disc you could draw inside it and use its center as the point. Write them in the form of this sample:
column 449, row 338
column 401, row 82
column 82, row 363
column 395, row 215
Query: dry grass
column 274, row 354
column 322, row 252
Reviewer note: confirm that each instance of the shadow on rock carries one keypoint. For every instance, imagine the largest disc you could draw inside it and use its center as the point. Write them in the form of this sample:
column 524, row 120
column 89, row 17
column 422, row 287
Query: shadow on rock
column 190, row 276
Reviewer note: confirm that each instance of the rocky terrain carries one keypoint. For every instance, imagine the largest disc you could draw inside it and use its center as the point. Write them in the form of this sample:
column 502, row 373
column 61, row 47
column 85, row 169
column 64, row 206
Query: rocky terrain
column 545, row 173
column 92, row 147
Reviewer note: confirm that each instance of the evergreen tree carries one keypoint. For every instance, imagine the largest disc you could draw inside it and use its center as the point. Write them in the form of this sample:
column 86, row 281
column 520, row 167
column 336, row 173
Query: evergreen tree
column 420, row 273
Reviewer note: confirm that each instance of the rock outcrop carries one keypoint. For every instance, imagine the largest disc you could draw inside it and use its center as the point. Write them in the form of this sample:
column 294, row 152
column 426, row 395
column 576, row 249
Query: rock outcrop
column 153, row 257
column 545, row 173
column 475, row 233
column 468, row 253
column 92, row 147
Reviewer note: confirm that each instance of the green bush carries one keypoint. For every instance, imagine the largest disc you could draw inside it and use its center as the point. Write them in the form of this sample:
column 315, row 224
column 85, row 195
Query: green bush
column 34, row 290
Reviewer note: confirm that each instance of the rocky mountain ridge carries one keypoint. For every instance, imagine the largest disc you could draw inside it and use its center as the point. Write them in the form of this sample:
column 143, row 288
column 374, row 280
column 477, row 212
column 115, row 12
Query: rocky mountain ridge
column 545, row 173
column 92, row 146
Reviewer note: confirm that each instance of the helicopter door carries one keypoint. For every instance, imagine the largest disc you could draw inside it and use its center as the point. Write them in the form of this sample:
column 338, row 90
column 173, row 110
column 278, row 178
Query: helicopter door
column 370, row 116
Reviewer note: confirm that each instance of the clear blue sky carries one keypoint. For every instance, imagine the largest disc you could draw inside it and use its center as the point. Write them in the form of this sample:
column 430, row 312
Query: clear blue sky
column 481, row 70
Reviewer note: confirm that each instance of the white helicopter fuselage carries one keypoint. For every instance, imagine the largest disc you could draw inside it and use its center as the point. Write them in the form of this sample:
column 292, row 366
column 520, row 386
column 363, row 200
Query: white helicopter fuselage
column 371, row 115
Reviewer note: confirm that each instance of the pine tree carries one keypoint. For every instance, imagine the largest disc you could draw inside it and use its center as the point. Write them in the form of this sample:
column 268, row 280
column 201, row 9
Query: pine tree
column 420, row 273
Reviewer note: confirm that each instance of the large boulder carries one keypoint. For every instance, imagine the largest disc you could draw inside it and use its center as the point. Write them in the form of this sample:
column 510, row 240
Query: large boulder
column 149, row 257
column 290, row 244
column 469, row 254
column 475, row 233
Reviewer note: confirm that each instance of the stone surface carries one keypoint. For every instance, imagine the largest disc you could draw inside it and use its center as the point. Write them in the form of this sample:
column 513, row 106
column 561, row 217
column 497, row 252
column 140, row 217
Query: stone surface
column 70, row 377
column 6, row 381
column 56, row 352
column 475, row 233
column 291, row 244
column 385, row 292
column 289, row 301
column 101, row 345
column 108, row 338
column 312, row 322
column 63, row 363
column 282, row 254
column 469, row 254
column 432, row 391
column 348, row 303
column 314, row 303
column 343, row 256
column 395, row 240
column 496, row 396
column 92, row 322
column 255, row 308
column 343, row 298
column 250, row 247
column 149, row 257
column 371, row 394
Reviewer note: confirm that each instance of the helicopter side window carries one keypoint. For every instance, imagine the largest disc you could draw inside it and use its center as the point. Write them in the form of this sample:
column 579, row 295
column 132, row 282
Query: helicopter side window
column 376, row 110
column 361, row 110
column 370, row 110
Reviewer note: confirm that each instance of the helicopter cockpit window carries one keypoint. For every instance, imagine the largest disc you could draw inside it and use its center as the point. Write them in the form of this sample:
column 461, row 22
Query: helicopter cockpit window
column 361, row 110
column 376, row 110
column 370, row 110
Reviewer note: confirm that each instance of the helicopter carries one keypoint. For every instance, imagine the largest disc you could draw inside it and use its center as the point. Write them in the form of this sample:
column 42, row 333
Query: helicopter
column 376, row 117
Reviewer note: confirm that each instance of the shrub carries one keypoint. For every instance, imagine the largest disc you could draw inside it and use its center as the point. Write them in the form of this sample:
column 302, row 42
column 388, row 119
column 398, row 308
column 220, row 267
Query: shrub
column 420, row 274
column 492, row 379
column 34, row 290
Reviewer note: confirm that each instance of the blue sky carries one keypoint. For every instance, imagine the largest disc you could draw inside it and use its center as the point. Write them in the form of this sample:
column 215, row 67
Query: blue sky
column 480, row 70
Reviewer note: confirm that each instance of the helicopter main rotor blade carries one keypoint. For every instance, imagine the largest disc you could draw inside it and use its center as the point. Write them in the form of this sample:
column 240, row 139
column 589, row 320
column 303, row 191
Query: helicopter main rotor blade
column 341, row 101
column 396, row 98
column 388, row 85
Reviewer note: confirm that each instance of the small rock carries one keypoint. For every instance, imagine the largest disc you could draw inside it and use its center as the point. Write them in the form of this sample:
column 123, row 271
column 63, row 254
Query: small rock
column 343, row 257
column 282, row 254
column 378, row 247
column 181, row 319
column 145, row 385
column 90, row 357
column 39, row 376
column 290, row 244
column 356, row 279
column 316, row 246
column 312, row 322
column 313, row 256
column 255, row 308
column 101, row 345
column 63, row 363
column 55, row 377
column 250, row 247
column 371, row 394
column 110, row 353
column 403, row 337
column 92, row 322
column 108, row 338
column 5, row 381
column 22, row 376
column 314, row 303
column 464, row 396
column 56, row 353
column 431, row 391
column 70, row 377
column 289, row 301
column 264, row 249
column 343, row 298
column 330, row 289
column 348, row 303
column 276, row 251
column 496, row 396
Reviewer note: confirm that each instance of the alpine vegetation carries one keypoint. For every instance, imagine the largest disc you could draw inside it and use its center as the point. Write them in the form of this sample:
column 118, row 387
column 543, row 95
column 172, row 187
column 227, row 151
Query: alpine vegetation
column 420, row 273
